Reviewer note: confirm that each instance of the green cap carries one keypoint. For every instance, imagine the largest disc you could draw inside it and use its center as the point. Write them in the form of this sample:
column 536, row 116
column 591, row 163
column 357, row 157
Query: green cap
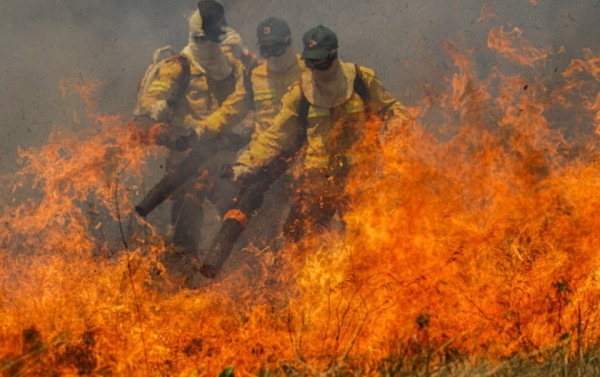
column 273, row 31
column 319, row 42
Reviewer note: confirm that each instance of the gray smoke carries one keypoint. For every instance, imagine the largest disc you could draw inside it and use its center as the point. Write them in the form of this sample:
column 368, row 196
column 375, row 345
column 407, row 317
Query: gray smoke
column 112, row 41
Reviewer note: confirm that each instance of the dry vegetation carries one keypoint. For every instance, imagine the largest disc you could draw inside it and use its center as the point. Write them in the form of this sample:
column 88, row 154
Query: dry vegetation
column 471, row 252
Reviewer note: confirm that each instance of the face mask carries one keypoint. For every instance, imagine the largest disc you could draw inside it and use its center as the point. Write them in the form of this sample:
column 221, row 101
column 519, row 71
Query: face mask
column 272, row 50
column 210, row 56
column 320, row 65
column 331, row 87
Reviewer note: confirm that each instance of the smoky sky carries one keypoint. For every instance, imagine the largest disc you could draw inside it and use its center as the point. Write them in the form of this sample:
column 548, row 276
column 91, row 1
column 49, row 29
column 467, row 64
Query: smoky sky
column 112, row 41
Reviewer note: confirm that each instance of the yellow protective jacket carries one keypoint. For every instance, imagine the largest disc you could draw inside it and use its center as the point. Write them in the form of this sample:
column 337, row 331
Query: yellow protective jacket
column 320, row 148
column 189, row 98
column 268, row 87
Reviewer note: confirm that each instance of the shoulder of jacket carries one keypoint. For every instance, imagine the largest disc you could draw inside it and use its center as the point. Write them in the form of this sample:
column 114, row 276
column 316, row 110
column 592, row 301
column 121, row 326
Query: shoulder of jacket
column 176, row 59
column 366, row 72
column 176, row 62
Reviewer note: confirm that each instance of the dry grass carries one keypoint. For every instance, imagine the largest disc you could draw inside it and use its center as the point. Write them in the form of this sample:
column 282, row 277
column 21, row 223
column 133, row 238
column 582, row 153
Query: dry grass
column 56, row 357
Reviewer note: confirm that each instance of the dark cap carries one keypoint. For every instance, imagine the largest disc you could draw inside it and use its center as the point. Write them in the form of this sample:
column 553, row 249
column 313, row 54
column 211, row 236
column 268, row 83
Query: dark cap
column 319, row 43
column 211, row 11
column 273, row 31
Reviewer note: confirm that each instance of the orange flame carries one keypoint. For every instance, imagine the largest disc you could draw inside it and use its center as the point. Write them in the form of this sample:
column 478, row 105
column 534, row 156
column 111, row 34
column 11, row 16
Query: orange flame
column 514, row 47
column 481, row 242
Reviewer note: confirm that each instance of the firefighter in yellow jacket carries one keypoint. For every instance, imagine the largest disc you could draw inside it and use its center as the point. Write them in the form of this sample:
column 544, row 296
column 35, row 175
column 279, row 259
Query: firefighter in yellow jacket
column 322, row 115
column 183, row 92
column 267, row 84
column 261, row 93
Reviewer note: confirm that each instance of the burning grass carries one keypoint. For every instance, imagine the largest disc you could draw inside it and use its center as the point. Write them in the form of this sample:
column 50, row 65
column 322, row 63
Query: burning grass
column 467, row 252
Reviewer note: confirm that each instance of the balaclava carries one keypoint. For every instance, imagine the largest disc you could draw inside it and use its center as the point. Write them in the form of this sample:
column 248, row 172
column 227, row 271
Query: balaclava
column 274, row 40
column 331, row 87
column 206, row 53
column 282, row 62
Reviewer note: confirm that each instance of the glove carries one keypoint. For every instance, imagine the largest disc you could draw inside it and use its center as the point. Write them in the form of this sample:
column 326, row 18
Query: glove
column 241, row 175
column 143, row 129
column 185, row 141
column 238, row 174
column 166, row 135
column 249, row 60
column 233, row 39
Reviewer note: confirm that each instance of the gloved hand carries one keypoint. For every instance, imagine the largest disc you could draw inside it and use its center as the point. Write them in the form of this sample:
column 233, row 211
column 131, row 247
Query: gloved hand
column 249, row 60
column 233, row 39
column 186, row 141
column 143, row 129
column 166, row 135
column 241, row 175
column 238, row 174
column 139, row 127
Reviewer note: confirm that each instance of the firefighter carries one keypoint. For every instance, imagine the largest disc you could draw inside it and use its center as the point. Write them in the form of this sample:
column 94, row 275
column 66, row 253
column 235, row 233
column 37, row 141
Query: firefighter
column 261, row 94
column 186, row 89
column 321, row 116
column 268, row 81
